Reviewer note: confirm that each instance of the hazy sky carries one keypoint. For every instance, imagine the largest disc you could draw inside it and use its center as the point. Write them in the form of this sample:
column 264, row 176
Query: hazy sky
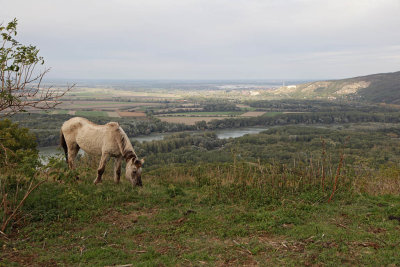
column 210, row 39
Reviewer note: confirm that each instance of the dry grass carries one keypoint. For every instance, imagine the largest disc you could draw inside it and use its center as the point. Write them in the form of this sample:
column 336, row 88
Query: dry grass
column 382, row 182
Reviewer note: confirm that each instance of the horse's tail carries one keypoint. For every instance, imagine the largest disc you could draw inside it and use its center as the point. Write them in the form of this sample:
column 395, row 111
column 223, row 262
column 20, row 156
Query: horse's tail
column 64, row 145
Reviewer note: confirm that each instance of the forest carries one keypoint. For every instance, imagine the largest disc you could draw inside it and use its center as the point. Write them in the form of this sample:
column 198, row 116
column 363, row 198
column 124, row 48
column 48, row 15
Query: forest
column 290, row 112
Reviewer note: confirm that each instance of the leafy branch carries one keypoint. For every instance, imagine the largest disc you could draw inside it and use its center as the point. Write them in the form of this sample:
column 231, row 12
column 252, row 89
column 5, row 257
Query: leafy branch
column 21, row 83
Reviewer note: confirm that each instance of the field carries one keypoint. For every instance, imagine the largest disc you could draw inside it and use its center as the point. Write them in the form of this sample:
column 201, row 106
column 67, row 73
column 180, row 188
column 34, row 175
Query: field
column 171, row 108
column 105, row 93
column 203, row 114
column 252, row 114
column 132, row 114
column 83, row 113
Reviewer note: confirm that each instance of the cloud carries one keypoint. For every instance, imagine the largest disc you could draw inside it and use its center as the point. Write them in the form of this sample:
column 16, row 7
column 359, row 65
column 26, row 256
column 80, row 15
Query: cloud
column 204, row 39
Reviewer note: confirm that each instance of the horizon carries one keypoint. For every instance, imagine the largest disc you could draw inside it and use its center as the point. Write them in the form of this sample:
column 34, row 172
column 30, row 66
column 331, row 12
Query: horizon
column 182, row 80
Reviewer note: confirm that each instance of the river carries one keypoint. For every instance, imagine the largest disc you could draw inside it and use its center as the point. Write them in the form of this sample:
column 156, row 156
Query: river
column 222, row 134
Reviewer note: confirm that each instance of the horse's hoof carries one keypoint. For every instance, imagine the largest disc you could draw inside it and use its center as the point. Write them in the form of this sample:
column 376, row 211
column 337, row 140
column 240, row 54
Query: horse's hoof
column 96, row 181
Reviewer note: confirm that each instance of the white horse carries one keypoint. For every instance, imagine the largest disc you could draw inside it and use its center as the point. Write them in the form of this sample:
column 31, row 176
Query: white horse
column 107, row 140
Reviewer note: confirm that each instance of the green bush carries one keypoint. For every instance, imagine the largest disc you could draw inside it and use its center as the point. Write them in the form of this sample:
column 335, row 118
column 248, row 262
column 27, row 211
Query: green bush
column 18, row 148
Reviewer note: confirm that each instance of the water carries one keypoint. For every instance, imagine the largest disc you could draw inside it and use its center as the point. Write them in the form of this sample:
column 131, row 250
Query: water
column 222, row 134
column 150, row 137
column 234, row 133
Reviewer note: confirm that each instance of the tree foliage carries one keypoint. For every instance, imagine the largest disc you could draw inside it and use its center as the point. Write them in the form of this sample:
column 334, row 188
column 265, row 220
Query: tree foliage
column 20, row 78
column 17, row 145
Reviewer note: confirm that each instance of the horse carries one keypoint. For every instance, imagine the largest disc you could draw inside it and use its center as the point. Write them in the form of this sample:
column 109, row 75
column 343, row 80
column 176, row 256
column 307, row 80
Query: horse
column 107, row 140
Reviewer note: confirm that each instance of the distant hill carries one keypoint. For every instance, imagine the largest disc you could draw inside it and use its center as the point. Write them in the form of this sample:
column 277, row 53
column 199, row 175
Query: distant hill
column 379, row 88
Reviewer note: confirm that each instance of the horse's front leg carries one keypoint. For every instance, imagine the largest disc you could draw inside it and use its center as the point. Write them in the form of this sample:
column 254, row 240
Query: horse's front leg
column 102, row 166
column 117, row 169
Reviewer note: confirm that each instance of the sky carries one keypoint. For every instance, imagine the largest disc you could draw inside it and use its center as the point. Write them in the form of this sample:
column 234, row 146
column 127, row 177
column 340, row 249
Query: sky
column 210, row 39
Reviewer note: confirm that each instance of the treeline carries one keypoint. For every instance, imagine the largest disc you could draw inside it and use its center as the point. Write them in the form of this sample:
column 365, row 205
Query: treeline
column 306, row 118
column 220, row 106
column 293, row 105
column 206, row 140
column 183, row 148
column 46, row 127
column 364, row 147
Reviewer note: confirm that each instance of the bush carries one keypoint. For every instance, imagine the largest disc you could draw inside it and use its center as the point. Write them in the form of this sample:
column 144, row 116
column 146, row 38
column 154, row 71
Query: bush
column 18, row 148
column 19, row 162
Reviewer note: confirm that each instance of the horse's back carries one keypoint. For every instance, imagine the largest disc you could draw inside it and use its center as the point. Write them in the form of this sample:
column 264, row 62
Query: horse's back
column 89, row 136
column 73, row 123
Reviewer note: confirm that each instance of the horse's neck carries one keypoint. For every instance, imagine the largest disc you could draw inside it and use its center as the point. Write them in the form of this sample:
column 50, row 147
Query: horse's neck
column 129, row 154
column 127, row 149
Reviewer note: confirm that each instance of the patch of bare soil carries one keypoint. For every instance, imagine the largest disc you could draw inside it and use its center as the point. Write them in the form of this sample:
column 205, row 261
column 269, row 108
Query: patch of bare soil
column 131, row 114
column 252, row 114
column 125, row 221
column 14, row 256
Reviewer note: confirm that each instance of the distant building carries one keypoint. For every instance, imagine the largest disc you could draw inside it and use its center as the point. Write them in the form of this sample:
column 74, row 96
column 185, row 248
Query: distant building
column 253, row 93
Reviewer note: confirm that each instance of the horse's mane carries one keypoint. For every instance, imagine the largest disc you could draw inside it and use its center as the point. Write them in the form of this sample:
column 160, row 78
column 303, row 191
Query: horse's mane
column 125, row 145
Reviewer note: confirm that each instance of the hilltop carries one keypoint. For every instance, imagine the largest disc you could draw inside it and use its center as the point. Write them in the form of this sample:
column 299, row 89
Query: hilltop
column 378, row 88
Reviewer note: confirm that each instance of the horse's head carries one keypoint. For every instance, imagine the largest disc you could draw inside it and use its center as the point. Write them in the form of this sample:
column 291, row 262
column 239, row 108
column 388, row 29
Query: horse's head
column 134, row 171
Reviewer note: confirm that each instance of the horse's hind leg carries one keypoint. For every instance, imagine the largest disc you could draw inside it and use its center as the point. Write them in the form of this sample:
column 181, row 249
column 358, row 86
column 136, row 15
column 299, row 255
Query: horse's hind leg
column 73, row 150
column 117, row 169
column 102, row 166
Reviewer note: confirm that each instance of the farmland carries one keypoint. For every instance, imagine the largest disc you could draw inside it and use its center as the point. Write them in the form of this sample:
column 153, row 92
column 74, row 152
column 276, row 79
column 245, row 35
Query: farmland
column 180, row 106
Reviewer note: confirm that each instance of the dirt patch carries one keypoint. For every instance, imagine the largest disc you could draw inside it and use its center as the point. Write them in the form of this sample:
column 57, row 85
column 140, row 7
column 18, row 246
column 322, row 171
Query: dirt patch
column 113, row 114
column 15, row 256
column 126, row 220
column 242, row 106
column 131, row 114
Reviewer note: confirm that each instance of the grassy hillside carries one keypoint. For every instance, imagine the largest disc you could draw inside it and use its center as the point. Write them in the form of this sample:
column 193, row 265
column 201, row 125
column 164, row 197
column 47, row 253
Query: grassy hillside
column 186, row 216
column 267, row 204
column 378, row 88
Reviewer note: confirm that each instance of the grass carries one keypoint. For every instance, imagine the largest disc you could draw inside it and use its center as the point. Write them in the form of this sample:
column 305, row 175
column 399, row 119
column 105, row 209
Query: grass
column 271, row 114
column 91, row 113
column 184, row 216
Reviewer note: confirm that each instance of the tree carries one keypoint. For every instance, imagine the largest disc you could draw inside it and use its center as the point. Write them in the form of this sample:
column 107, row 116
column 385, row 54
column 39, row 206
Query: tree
column 20, row 89
column 19, row 78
